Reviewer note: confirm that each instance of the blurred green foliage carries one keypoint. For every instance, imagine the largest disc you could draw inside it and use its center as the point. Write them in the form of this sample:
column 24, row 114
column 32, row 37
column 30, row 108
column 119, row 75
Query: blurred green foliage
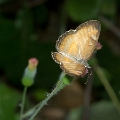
column 8, row 102
column 83, row 10
column 31, row 31
column 99, row 111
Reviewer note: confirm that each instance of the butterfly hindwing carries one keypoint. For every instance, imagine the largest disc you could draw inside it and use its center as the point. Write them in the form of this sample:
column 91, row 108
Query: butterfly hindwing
column 68, row 65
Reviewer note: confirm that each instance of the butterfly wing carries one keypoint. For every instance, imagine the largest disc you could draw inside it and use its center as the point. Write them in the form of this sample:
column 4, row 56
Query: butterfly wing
column 68, row 65
column 80, row 43
column 66, row 43
column 87, row 38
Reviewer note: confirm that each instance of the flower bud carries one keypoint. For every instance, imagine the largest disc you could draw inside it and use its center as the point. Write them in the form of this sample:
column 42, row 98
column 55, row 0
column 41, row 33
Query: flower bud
column 30, row 72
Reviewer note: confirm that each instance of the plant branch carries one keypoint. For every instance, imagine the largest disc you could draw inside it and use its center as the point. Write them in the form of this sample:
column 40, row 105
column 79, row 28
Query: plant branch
column 107, row 86
column 87, row 99
column 60, row 85
column 23, row 102
column 110, row 25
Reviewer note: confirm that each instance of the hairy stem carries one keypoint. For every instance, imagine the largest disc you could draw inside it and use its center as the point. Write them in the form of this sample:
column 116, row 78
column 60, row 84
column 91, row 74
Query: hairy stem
column 60, row 85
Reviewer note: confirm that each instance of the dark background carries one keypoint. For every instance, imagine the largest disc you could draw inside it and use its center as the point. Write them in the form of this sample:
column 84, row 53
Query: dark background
column 30, row 28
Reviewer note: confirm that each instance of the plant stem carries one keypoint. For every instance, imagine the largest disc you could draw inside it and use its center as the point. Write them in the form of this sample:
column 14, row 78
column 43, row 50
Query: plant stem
column 58, row 87
column 87, row 99
column 110, row 26
column 108, row 87
column 29, row 113
column 23, row 102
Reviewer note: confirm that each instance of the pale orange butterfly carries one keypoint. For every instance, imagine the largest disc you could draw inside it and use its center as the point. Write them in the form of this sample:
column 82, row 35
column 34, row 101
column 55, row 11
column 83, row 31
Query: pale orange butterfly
column 75, row 47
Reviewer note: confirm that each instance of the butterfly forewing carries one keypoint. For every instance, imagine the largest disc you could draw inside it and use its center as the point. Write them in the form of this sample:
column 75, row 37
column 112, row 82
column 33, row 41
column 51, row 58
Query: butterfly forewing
column 80, row 43
column 87, row 38
column 67, row 44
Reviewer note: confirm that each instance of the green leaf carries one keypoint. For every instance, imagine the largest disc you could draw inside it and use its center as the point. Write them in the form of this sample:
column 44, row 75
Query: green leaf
column 82, row 10
column 109, row 7
column 104, row 110
column 9, row 99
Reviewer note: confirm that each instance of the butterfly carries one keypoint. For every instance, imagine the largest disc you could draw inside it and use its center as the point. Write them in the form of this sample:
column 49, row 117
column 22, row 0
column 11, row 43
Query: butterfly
column 75, row 48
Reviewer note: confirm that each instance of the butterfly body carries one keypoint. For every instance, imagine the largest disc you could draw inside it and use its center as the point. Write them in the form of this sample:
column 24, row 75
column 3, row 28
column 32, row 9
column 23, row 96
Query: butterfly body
column 75, row 47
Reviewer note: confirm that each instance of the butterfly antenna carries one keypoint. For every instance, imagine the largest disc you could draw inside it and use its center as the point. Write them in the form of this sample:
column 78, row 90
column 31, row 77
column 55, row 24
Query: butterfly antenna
column 89, row 73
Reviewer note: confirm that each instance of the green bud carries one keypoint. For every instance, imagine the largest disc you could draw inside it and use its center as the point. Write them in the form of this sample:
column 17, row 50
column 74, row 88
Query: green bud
column 30, row 72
